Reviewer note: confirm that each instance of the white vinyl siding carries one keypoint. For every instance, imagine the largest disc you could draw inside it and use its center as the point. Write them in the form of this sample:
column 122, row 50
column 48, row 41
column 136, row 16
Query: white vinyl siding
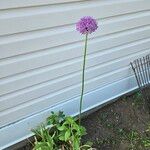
column 41, row 57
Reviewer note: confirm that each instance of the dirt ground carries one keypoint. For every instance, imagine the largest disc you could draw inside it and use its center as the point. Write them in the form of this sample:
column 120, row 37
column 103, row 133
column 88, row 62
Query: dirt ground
column 122, row 125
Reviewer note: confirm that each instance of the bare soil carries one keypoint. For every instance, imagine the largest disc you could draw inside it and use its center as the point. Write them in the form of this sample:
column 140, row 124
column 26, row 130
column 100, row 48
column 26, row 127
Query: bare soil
column 121, row 125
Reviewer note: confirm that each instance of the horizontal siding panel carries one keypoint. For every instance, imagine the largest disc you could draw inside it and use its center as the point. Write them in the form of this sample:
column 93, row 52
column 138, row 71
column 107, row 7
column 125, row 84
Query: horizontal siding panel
column 41, row 90
column 7, row 4
column 16, row 45
column 49, row 100
column 94, row 46
column 7, row 87
column 10, row 66
column 40, row 104
column 28, row 22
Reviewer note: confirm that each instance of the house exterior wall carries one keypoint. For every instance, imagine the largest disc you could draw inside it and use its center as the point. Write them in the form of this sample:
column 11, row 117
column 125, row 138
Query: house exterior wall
column 41, row 58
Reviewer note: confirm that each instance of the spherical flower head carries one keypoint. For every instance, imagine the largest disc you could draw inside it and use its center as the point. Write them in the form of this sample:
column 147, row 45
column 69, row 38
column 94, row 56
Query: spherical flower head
column 86, row 25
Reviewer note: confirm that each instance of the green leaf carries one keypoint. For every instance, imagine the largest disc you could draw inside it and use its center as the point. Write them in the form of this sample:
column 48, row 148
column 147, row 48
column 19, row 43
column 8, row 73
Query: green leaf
column 42, row 146
column 55, row 118
column 61, row 128
column 67, row 135
column 70, row 120
column 62, row 138
column 76, row 144
column 82, row 131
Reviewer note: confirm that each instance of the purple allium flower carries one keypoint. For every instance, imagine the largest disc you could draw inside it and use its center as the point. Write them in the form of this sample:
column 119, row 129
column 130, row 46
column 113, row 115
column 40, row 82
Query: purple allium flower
column 86, row 25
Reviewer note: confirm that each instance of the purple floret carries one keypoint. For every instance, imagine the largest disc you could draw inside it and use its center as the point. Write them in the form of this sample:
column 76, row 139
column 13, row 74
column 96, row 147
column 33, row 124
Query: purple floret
column 86, row 25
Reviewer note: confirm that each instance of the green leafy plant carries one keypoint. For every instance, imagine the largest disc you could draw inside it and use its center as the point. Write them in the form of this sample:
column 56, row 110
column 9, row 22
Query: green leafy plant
column 43, row 140
column 63, row 133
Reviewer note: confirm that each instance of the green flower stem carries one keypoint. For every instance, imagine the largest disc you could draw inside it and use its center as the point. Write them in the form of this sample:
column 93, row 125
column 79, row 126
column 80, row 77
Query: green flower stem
column 83, row 77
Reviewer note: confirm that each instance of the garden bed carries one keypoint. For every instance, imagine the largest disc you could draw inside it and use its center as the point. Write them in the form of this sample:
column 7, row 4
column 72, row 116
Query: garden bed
column 121, row 125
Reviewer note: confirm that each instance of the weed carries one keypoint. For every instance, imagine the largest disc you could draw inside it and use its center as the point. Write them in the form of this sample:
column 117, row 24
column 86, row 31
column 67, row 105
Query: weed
column 138, row 100
column 63, row 134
